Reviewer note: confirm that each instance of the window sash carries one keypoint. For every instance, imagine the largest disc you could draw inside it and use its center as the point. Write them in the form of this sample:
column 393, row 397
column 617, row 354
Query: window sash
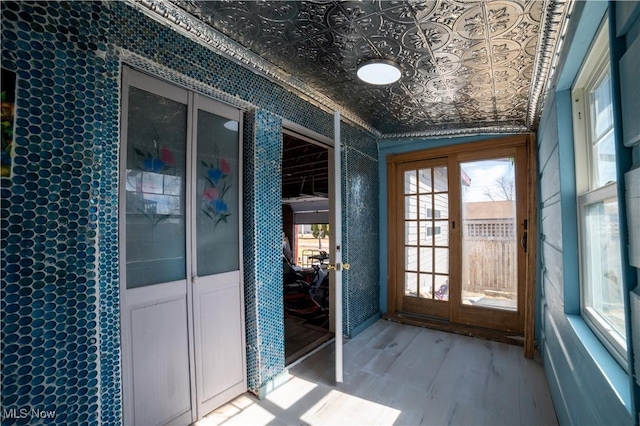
column 601, row 321
column 599, row 253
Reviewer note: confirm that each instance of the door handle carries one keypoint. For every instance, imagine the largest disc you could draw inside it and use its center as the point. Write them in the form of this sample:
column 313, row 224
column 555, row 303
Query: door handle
column 194, row 279
column 338, row 267
column 523, row 242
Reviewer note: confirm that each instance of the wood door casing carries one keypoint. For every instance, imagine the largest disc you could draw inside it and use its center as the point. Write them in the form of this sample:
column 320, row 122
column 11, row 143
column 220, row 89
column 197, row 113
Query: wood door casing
column 517, row 146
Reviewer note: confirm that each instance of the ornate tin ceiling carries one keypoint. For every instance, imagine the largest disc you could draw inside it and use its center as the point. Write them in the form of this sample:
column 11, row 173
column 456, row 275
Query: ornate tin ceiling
column 467, row 66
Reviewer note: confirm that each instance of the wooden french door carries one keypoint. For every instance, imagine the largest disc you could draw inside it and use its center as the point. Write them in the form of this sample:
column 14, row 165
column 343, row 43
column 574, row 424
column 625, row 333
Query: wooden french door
column 458, row 221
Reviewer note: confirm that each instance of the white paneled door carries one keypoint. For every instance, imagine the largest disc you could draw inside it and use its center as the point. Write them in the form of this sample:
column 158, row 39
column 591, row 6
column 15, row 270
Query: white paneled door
column 180, row 253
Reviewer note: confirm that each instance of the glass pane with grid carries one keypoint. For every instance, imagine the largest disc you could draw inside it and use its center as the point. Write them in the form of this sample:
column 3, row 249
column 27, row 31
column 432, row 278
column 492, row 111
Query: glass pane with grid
column 426, row 203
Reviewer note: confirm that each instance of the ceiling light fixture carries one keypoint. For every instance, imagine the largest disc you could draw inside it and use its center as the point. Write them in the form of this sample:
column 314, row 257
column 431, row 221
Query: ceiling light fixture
column 379, row 72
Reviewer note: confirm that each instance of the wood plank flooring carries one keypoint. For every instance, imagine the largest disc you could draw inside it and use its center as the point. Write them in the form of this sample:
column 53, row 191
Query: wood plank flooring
column 301, row 338
column 404, row 375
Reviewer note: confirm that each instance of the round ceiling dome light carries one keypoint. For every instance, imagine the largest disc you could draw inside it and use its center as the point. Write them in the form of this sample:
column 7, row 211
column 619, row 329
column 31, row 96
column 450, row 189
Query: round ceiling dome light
column 379, row 71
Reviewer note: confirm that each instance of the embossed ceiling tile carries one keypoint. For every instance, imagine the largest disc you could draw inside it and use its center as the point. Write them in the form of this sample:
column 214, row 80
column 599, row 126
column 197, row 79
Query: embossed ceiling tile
column 477, row 57
column 280, row 29
column 237, row 23
column 313, row 11
column 274, row 10
column 488, row 21
column 447, row 13
column 376, row 47
column 426, row 37
column 521, row 61
column 523, row 32
column 457, row 45
column 534, row 9
column 277, row 47
column 397, row 11
column 354, row 19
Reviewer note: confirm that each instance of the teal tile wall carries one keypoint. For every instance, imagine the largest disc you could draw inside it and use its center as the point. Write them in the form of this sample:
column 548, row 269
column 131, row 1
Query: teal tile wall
column 59, row 213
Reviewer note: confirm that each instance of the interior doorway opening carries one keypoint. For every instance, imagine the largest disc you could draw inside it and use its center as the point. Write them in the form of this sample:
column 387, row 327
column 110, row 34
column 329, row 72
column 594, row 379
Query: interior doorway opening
column 306, row 244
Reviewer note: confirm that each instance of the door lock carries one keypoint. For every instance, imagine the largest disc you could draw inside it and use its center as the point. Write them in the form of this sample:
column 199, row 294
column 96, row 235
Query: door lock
column 339, row 267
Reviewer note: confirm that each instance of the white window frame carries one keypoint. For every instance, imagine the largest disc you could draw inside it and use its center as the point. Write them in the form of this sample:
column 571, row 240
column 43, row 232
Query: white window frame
column 594, row 68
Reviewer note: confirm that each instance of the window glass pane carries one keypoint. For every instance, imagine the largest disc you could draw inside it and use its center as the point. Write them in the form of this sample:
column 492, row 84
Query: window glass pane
column 410, row 186
column 426, row 259
column 410, row 284
column 411, row 259
column 442, row 287
column 411, row 207
column 217, row 239
column 411, row 233
column 489, row 241
column 601, row 108
column 441, row 182
column 425, row 206
column 426, row 233
column 425, row 180
column 441, row 210
column 426, row 282
column 604, row 160
column 603, row 266
column 441, row 232
column 155, row 230
column 442, row 260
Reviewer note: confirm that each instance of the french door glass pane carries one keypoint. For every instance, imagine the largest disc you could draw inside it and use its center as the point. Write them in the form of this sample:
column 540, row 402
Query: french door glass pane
column 411, row 259
column 603, row 264
column 426, row 237
column 411, row 233
column 410, row 186
column 411, row 207
column 217, row 239
column 411, row 284
column 425, row 180
column 155, row 187
column 489, row 240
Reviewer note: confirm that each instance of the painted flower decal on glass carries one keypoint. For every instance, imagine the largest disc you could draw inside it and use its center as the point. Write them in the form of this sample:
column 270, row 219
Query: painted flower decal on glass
column 159, row 161
column 218, row 178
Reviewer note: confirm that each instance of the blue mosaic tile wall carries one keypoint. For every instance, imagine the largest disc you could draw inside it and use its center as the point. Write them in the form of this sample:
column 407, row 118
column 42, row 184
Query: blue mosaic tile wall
column 59, row 212
column 263, row 247
column 49, row 294
column 360, row 231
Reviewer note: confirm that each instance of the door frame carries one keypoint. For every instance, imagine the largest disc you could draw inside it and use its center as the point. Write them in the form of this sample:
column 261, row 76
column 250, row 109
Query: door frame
column 394, row 237
column 335, row 220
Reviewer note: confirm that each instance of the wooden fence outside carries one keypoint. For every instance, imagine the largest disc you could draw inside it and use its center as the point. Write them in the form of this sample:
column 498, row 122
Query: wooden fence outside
column 490, row 261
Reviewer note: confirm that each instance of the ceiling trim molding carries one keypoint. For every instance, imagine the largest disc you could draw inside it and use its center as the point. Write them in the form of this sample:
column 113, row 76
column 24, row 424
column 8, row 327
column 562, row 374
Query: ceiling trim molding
column 448, row 133
column 556, row 13
column 181, row 21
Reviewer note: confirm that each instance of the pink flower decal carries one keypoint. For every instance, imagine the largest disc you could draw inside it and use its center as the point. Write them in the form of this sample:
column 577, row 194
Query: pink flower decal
column 167, row 156
column 224, row 166
column 210, row 194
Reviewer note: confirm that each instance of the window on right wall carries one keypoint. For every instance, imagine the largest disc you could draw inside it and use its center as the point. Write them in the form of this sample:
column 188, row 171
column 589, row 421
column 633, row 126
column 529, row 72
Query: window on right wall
column 601, row 285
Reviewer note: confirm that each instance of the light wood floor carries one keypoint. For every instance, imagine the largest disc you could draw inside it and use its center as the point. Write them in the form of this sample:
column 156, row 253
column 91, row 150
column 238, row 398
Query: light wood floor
column 404, row 375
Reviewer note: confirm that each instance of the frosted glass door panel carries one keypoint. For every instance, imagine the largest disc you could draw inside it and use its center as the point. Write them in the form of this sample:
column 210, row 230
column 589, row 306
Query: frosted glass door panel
column 155, row 188
column 217, row 237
